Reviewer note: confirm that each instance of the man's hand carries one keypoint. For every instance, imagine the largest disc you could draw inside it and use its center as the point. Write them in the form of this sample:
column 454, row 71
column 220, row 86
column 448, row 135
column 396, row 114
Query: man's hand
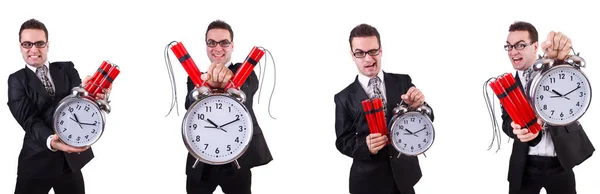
column 56, row 144
column 100, row 94
column 413, row 97
column 375, row 142
column 557, row 46
column 524, row 134
column 217, row 75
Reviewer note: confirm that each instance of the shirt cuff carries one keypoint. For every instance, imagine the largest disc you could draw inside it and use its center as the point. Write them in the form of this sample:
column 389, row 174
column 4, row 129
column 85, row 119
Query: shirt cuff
column 48, row 143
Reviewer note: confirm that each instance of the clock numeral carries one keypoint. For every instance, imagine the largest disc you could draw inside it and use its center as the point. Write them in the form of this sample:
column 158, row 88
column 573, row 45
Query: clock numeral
column 578, row 83
column 577, row 104
column 93, row 114
column 426, row 133
column 399, row 140
column 237, row 140
column 570, row 111
column 419, row 145
column 580, row 94
column 551, row 112
column 219, row 105
column 205, row 146
column 78, row 107
column 401, row 127
column 87, row 109
column 552, row 80
column 541, row 97
column 405, row 145
column 71, row 109
column 64, row 129
column 546, row 88
column 93, row 130
column 571, row 78
column 561, row 114
column 201, row 116
column 197, row 138
column 561, row 76
column 195, row 126
column 412, row 148
column 545, row 107
column 412, row 119
column 208, row 109
column 419, row 120
column 228, row 147
column 237, row 116
column 397, row 133
column 70, row 136
column 229, row 108
column 405, row 121
column 78, row 138
column 61, row 122
column 217, row 150
column 87, row 136
column 241, row 129
column 424, row 140
column 63, row 113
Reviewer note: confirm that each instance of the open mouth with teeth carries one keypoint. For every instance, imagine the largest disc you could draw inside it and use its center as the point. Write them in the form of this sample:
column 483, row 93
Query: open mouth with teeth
column 34, row 57
column 517, row 59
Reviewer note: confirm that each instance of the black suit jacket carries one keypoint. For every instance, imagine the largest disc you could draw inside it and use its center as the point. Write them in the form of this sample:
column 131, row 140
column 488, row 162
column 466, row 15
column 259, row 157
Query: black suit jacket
column 373, row 173
column 258, row 152
column 571, row 144
column 33, row 109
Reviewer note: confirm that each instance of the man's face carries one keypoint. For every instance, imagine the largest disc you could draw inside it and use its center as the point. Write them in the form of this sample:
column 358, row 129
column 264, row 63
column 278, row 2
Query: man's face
column 34, row 47
column 219, row 45
column 366, row 53
column 521, row 51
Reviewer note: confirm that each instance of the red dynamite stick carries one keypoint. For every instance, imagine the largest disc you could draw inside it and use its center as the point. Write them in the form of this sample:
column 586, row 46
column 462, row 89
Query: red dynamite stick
column 93, row 82
column 188, row 63
column 524, row 106
column 246, row 68
column 107, row 80
column 366, row 104
column 379, row 116
column 508, row 105
column 509, row 90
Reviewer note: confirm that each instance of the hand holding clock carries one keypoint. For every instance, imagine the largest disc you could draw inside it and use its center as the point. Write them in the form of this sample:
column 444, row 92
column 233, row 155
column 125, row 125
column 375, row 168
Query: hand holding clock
column 557, row 45
column 217, row 76
column 413, row 97
column 56, row 144
column 523, row 134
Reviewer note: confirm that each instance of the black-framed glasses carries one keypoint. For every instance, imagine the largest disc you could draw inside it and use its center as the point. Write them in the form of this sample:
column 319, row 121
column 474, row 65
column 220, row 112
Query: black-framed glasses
column 362, row 54
column 222, row 43
column 38, row 44
column 519, row 46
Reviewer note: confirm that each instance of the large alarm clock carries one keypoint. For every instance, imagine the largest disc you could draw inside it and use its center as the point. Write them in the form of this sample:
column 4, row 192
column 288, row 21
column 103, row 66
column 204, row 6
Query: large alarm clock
column 217, row 128
column 411, row 130
column 559, row 92
column 79, row 119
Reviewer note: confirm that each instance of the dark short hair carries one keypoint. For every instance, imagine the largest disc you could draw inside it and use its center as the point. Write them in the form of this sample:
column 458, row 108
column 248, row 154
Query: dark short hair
column 219, row 24
column 33, row 24
column 364, row 30
column 525, row 26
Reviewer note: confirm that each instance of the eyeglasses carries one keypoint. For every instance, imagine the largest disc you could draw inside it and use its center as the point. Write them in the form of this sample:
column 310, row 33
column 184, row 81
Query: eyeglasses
column 519, row 46
column 362, row 54
column 38, row 44
column 222, row 43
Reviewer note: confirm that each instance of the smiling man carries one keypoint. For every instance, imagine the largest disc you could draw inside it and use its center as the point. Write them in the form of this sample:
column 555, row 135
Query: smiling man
column 204, row 178
column 34, row 92
column 376, row 167
column 544, row 159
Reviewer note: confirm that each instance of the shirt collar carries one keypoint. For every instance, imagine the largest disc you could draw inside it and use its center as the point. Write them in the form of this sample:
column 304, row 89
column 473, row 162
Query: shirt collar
column 34, row 69
column 364, row 80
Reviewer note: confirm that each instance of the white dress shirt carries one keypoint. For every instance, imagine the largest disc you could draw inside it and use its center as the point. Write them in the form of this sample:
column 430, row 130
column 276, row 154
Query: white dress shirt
column 364, row 82
column 546, row 146
column 34, row 69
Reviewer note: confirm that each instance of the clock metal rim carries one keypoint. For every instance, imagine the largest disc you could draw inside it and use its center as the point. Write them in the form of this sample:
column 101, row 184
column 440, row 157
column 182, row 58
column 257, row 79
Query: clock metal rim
column 534, row 84
column 188, row 144
column 67, row 100
column 397, row 118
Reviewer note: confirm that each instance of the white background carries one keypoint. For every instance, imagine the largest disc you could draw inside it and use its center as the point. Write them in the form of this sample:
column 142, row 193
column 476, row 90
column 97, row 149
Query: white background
column 436, row 43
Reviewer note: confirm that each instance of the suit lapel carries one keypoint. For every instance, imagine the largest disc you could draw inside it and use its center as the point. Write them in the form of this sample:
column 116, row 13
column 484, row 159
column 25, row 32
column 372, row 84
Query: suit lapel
column 392, row 94
column 35, row 83
column 58, row 79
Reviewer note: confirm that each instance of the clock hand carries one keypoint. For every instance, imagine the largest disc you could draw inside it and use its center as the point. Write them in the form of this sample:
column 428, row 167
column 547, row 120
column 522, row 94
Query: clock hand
column 554, row 91
column 230, row 122
column 411, row 134
column 572, row 90
column 212, row 123
column 420, row 130
column 405, row 129
column 76, row 120
column 95, row 122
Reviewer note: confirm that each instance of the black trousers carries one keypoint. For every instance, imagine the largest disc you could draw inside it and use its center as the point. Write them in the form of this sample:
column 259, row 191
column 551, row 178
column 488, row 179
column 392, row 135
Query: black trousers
column 395, row 190
column 546, row 172
column 231, row 181
column 67, row 183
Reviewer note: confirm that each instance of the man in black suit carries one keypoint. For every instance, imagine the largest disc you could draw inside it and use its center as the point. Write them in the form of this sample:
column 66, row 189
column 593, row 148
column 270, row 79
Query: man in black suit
column 375, row 167
column 545, row 159
column 204, row 178
column 33, row 94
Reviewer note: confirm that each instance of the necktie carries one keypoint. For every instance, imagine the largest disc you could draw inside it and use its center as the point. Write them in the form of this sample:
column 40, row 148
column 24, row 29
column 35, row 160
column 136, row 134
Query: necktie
column 42, row 74
column 374, row 83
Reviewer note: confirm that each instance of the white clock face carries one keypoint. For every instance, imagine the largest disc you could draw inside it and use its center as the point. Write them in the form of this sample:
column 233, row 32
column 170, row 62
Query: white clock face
column 78, row 122
column 412, row 133
column 562, row 96
column 217, row 129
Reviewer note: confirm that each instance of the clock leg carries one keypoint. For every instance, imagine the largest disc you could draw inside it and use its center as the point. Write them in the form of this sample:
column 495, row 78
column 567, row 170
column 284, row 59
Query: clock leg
column 399, row 154
column 424, row 155
column 237, row 164
column 195, row 163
